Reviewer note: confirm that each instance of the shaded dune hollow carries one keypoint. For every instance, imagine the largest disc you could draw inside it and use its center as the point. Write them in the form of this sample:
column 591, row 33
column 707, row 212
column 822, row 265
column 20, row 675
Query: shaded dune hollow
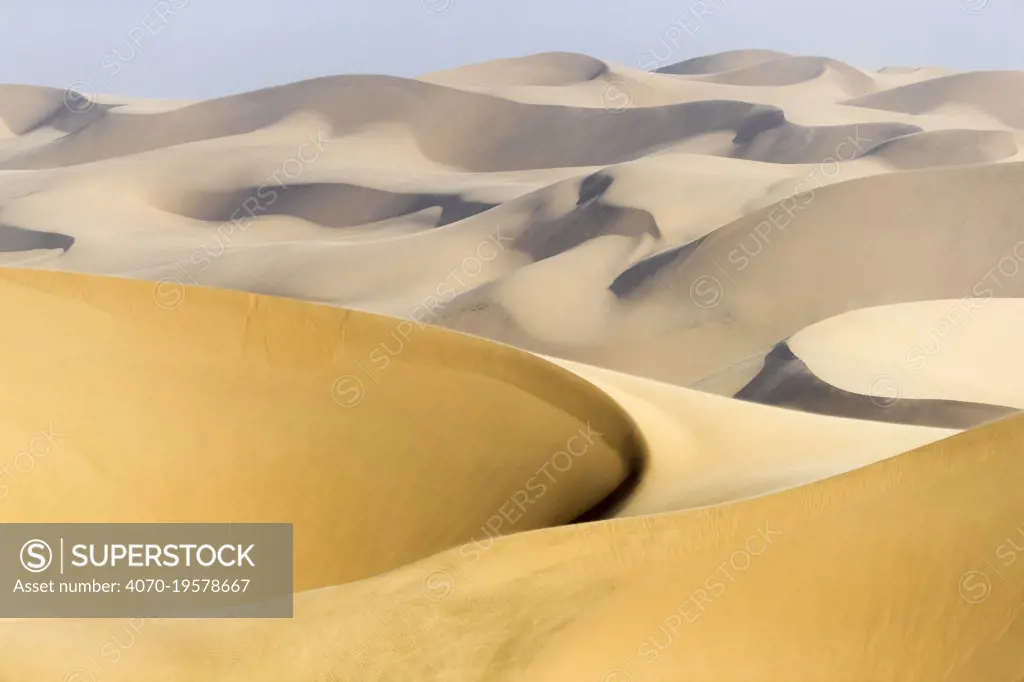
column 326, row 204
column 786, row 381
column 591, row 217
column 316, row 415
column 20, row 239
column 632, row 279
column 24, row 108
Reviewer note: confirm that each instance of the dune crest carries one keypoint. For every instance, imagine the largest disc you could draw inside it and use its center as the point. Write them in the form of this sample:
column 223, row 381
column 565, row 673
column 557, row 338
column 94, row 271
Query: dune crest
column 723, row 61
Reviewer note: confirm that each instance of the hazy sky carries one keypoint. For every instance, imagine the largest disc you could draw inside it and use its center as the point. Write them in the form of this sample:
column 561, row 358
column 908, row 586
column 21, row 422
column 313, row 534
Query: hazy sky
column 205, row 48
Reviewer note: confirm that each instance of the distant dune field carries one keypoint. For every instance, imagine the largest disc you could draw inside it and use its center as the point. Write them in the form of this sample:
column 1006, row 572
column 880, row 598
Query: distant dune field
column 562, row 370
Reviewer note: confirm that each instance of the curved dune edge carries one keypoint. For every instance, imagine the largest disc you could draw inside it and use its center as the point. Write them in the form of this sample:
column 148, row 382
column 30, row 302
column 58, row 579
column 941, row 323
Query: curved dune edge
column 546, row 69
column 698, row 456
column 786, row 381
column 233, row 407
column 722, row 62
column 694, row 456
column 917, row 540
column 954, row 349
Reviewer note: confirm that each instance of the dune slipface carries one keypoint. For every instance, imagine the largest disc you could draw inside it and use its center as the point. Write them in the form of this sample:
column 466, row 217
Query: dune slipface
column 560, row 369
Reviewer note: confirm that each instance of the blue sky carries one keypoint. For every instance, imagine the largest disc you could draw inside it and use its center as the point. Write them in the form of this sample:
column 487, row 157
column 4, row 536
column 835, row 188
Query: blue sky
column 206, row 48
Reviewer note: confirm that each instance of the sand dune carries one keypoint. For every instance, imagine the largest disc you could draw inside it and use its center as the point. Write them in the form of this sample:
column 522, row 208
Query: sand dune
column 17, row 239
column 584, row 601
column 723, row 61
column 793, row 70
column 549, row 69
column 786, row 381
column 735, row 395
column 24, row 108
column 959, row 349
column 938, row 148
column 696, row 457
column 997, row 93
column 302, row 420
column 310, row 207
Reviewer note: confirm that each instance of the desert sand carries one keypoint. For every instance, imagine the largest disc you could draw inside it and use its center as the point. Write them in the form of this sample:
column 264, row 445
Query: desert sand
column 562, row 370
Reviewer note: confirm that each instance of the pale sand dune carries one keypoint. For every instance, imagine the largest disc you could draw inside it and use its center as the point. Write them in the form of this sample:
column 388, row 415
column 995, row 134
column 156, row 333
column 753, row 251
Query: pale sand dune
column 948, row 148
column 547, row 69
column 723, row 61
column 770, row 228
column 25, row 107
column 394, row 166
column 793, row 70
column 786, row 381
column 963, row 349
column 998, row 93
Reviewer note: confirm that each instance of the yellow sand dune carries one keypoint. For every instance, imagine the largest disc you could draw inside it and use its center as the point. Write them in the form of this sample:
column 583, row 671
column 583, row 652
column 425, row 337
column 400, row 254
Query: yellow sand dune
column 922, row 545
column 698, row 457
column 238, row 408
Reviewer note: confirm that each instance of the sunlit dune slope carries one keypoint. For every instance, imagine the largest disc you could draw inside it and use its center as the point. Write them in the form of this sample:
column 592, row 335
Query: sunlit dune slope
column 706, row 449
column 905, row 570
column 382, row 442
